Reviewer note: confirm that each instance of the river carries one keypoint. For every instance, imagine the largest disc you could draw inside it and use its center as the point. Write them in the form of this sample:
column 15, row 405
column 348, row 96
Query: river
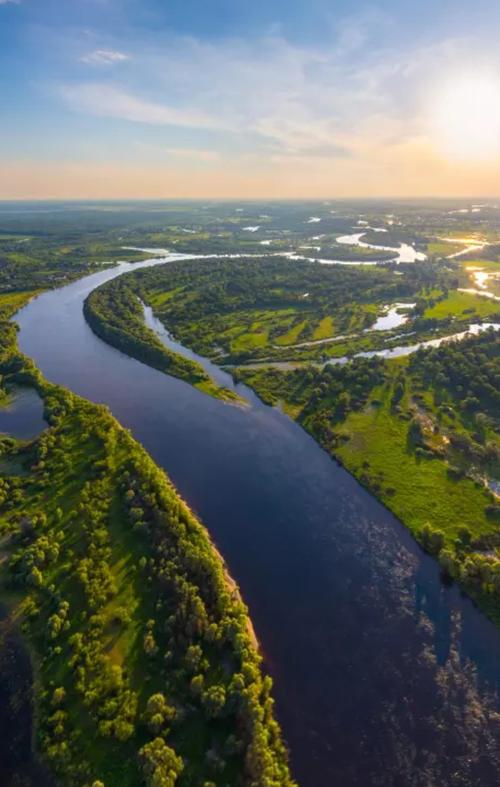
column 384, row 675
column 403, row 253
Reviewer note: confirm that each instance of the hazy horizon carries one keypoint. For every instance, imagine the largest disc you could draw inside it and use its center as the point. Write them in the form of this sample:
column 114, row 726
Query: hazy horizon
column 327, row 200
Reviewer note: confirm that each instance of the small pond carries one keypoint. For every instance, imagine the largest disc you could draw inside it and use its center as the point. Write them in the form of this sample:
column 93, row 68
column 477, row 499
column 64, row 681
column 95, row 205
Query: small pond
column 21, row 415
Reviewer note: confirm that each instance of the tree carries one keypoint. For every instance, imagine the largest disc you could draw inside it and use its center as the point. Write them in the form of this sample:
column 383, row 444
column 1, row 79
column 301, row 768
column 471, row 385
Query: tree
column 158, row 712
column 415, row 432
column 161, row 765
column 464, row 535
column 432, row 540
column 194, row 656
column 196, row 685
column 214, row 700
column 398, row 393
column 35, row 577
column 448, row 562
column 150, row 646
column 58, row 696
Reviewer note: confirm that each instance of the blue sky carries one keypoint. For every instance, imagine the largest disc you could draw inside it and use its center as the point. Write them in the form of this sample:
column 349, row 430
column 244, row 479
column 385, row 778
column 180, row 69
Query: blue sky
column 279, row 98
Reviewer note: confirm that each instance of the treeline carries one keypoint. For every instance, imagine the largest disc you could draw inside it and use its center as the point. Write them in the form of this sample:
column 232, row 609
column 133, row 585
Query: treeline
column 116, row 315
column 148, row 671
column 221, row 286
column 468, row 370
column 322, row 397
column 30, row 263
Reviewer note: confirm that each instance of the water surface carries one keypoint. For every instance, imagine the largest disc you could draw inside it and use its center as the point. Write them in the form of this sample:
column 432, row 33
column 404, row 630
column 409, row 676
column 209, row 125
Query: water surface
column 393, row 317
column 384, row 676
column 21, row 416
column 403, row 253
column 19, row 765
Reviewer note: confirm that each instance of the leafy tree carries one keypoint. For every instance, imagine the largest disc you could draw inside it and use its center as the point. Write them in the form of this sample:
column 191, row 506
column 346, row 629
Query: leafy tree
column 162, row 767
column 214, row 700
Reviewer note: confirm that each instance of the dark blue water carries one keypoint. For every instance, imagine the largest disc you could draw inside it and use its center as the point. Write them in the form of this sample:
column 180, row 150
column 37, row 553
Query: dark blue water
column 22, row 415
column 383, row 674
column 19, row 765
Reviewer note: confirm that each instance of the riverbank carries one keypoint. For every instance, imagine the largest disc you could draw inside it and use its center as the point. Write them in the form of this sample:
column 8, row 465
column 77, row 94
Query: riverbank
column 115, row 314
column 129, row 608
column 409, row 430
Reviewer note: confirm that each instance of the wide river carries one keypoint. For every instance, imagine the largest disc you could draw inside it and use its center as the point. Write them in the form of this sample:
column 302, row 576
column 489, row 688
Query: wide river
column 384, row 676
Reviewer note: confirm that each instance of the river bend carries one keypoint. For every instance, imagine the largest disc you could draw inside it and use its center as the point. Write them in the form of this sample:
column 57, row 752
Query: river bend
column 384, row 676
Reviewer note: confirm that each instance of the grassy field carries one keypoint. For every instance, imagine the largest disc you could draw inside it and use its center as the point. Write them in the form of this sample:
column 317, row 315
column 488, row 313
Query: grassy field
column 11, row 302
column 441, row 249
column 324, row 329
column 374, row 446
column 463, row 305
column 487, row 265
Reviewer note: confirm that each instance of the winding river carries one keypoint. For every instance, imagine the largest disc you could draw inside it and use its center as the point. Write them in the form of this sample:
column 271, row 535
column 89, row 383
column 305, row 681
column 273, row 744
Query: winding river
column 403, row 253
column 384, row 676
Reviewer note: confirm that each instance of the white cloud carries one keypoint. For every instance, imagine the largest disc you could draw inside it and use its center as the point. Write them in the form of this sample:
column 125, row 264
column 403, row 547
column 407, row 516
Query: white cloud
column 107, row 101
column 346, row 101
column 10, row 2
column 103, row 57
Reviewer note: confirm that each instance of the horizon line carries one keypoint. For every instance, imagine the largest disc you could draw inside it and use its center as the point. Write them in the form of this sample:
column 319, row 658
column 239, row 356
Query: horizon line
column 9, row 200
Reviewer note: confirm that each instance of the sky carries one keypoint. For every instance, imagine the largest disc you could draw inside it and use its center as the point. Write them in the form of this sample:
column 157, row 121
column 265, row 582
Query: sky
column 231, row 98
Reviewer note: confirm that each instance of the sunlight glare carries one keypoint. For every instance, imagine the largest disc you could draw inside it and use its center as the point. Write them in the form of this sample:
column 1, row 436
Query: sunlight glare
column 465, row 120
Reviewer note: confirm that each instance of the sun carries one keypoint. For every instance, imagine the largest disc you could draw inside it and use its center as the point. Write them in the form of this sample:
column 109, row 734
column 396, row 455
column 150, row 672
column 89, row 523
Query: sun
column 465, row 117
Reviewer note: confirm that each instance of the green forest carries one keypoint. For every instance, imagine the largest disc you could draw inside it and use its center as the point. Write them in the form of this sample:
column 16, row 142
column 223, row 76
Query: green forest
column 241, row 310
